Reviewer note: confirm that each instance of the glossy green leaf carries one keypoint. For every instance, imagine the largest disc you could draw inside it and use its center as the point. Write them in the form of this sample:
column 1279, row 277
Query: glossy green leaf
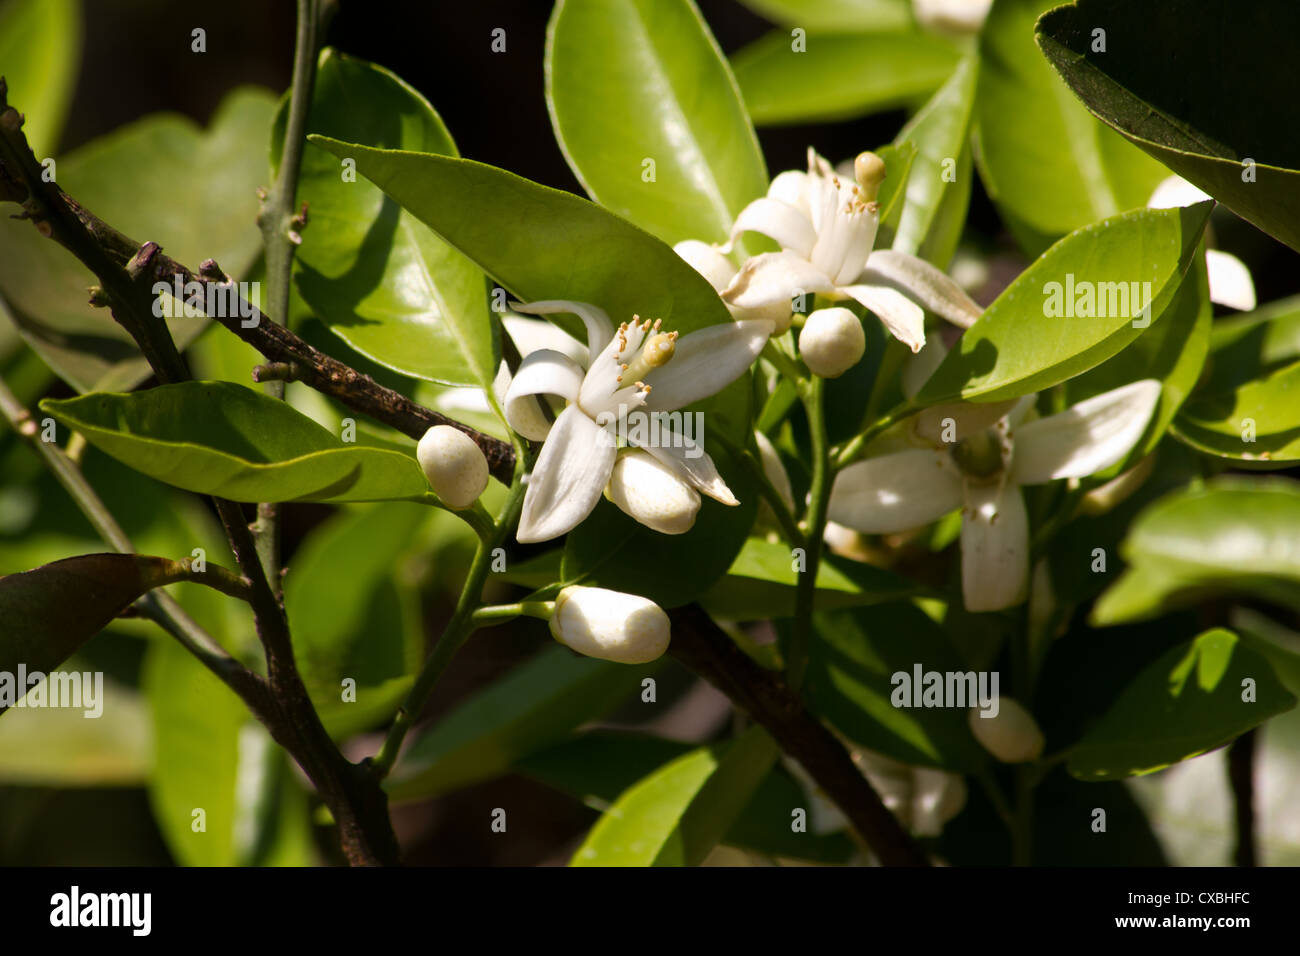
column 351, row 615
column 1193, row 699
column 836, row 15
column 1017, row 347
column 898, row 160
column 597, row 766
column 536, row 705
column 850, row 683
column 221, row 439
column 839, row 76
column 938, row 189
column 541, row 243
column 162, row 179
column 1246, row 347
column 761, row 584
column 44, row 626
column 380, row 278
column 40, row 49
column 1220, row 114
column 679, row 813
column 1235, row 535
column 1172, row 351
column 1048, row 165
column 637, row 82
column 1258, row 421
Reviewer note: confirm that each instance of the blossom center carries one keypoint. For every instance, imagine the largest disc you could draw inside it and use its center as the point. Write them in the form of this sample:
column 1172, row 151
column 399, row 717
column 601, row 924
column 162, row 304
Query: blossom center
column 980, row 455
column 657, row 351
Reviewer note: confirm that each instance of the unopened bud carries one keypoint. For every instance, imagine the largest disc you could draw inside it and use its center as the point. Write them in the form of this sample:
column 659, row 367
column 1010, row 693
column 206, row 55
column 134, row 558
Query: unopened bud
column 832, row 342
column 1011, row 735
column 454, row 465
column 610, row 625
column 649, row 491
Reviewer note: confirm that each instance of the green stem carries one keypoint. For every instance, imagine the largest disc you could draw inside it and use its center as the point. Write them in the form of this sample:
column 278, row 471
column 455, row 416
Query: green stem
column 280, row 224
column 496, row 613
column 786, row 364
column 463, row 623
column 789, row 527
column 854, row 448
column 812, row 392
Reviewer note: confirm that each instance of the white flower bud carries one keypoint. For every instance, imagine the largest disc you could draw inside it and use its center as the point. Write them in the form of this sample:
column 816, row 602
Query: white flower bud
column 832, row 342
column 454, row 465
column 1012, row 735
column 649, row 491
column 610, row 625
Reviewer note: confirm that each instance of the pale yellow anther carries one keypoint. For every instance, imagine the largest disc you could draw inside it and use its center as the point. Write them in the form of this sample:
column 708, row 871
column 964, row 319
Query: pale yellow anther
column 869, row 170
column 656, row 353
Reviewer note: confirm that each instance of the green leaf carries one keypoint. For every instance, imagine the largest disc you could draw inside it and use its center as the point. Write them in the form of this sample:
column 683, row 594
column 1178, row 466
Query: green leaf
column 536, row 705
column 377, row 276
column 850, row 684
column 839, row 76
column 1245, row 347
column 44, row 627
column 597, row 766
column 40, row 51
column 1189, row 701
column 836, row 15
column 541, row 243
column 351, row 615
column 1235, row 535
column 164, row 179
column 761, row 584
column 1023, row 342
column 61, row 747
column 1048, row 165
column 1173, row 351
column 1255, row 422
column 1207, row 116
column 898, row 160
column 210, row 756
column 222, row 439
column 935, row 211
column 679, row 813
column 634, row 80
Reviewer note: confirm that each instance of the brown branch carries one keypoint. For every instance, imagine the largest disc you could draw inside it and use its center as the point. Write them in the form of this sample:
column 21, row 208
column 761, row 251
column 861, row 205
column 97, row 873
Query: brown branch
column 280, row 701
column 1241, row 773
column 703, row 647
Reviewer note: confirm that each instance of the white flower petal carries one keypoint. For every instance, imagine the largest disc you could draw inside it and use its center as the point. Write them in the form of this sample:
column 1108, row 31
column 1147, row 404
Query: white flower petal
column 688, row 459
column 599, row 328
column 789, row 226
column 1230, row 281
column 540, row 373
column 708, row 261
column 994, row 547
column 1086, row 437
column 569, row 477
column 956, row 421
column 705, row 362
column 533, row 335
column 928, row 285
column 772, row 280
column 646, row 489
column 791, row 188
column 1175, row 191
column 845, row 234
column 904, row 319
column 895, row 492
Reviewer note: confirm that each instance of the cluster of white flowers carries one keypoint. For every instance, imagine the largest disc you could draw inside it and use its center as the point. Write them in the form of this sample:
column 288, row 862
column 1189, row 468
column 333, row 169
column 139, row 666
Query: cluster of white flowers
column 972, row 457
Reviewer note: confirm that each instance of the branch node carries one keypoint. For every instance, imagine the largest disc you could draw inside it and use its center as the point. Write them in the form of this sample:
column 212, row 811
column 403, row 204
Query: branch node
column 277, row 372
column 98, row 297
